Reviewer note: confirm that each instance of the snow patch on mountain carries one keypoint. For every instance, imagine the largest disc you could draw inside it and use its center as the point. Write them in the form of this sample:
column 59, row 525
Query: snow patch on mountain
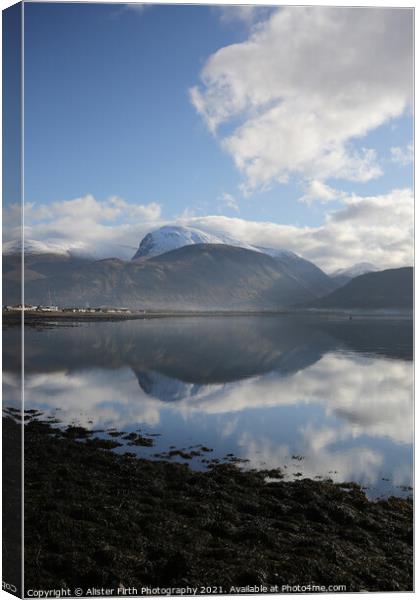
column 171, row 237
column 354, row 271
column 34, row 247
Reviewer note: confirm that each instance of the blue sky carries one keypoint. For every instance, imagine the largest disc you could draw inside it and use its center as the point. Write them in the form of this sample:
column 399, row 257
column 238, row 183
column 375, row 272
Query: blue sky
column 191, row 112
column 108, row 110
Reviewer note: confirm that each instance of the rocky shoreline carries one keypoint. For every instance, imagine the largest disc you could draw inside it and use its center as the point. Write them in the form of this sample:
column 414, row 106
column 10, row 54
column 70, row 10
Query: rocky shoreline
column 95, row 518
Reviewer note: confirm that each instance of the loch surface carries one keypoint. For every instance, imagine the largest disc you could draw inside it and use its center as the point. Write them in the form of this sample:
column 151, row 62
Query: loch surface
column 314, row 396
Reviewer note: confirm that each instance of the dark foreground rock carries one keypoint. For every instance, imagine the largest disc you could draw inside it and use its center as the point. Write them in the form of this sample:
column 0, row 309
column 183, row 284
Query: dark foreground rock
column 94, row 518
column 12, row 506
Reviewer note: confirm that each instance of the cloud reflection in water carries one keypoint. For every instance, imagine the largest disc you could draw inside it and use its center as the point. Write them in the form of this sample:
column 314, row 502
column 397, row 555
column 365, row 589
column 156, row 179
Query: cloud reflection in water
column 278, row 389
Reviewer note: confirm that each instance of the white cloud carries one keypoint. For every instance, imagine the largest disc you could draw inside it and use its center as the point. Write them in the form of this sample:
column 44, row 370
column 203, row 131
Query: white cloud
column 317, row 190
column 245, row 13
column 132, row 407
column 188, row 213
column 112, row 227
column 229, row 201
column 136, row 7
column 87, row 208
column 402, row 156
column 304, row 86
column 337, row 383
column 376, row 229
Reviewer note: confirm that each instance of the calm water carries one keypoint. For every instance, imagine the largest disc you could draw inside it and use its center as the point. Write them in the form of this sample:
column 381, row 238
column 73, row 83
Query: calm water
column 315, row 396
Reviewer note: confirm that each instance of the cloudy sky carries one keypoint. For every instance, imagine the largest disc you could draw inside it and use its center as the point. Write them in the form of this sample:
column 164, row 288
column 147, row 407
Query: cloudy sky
column 289, row 127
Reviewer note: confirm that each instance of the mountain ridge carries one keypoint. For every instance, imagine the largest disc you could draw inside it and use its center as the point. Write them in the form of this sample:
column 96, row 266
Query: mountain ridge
column 195, row 277
column 171, row 237
column 387, row 289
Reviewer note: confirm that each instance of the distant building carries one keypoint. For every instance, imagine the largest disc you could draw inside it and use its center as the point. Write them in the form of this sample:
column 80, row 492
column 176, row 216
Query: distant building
column 20, row 307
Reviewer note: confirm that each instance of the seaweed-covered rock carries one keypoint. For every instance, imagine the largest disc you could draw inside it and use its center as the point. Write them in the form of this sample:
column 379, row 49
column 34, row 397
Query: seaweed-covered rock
column 96, row 518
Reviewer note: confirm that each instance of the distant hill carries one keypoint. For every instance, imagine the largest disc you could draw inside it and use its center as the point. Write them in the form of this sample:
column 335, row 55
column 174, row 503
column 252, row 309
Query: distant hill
column 194, row 277
column 390, row 289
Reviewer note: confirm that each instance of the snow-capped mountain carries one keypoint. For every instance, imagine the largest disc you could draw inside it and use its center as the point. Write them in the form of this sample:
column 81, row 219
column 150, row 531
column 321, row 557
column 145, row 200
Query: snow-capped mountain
column 169, row 238
column 169, row 389
column 175, row 268
column 343, row 276
column 277, row 253
column 34, row 247
column 358, row 269
column 172, row 237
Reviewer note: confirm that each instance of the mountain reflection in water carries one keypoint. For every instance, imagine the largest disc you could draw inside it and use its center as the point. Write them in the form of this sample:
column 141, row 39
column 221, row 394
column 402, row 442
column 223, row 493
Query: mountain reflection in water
column 336, row 392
